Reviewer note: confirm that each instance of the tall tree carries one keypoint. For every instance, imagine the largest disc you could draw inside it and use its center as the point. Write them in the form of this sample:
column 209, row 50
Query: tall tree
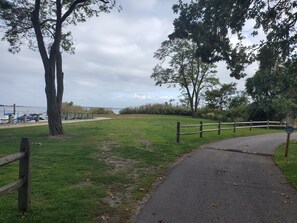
column 40, row 25
column 221, row 97
column 180, row 66
column 210, row 23
column 273, row 89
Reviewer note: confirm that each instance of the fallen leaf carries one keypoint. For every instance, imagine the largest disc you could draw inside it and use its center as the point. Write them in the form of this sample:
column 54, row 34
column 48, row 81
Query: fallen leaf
column 110, row 194
column 105, row 217
column 214, row 205
column 283, row 194
column 24, row 214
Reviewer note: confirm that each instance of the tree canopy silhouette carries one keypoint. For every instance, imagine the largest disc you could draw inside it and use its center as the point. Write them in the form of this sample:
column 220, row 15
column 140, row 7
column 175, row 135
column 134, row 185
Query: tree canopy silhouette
column 210, row 24
column 41, row 26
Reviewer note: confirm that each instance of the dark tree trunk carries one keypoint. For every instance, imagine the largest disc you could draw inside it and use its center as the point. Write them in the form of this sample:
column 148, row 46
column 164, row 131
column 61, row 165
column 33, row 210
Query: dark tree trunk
column 54, row 117
column 53, row 104
column 195, row 114
column 52, row 64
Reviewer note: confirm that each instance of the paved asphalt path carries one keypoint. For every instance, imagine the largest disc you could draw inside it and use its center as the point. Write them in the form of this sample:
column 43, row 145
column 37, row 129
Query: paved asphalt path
column 233, row 180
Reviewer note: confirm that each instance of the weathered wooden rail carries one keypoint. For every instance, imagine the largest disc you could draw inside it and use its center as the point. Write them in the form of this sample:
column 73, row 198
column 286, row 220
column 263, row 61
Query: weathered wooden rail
column 23, row 185
column 219, row 126
column 71, row 116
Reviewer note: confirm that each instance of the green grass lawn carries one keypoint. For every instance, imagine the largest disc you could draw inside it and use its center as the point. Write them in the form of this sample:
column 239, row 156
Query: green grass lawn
column 98, row 170
column 288, row 165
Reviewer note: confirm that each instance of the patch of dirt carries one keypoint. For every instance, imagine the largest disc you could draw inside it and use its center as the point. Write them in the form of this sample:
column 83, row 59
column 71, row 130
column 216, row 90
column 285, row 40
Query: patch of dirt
column 84, row 183
column 113, row 199
column 60, row 137
column 145, row 143
column 109, row 219
column 136, row 171
column 108, row 145
column 120, row 164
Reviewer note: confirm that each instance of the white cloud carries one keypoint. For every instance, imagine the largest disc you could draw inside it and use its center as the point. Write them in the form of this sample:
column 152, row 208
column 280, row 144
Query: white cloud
column 141, row 5
column 112, row 64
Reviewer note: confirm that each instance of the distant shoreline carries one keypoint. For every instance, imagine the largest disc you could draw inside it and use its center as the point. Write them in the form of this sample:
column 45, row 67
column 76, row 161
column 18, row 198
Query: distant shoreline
column 22, row 109
column 30, row 124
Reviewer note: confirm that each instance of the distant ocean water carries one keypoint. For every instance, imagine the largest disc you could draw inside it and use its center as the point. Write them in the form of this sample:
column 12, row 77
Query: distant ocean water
column 21, row 110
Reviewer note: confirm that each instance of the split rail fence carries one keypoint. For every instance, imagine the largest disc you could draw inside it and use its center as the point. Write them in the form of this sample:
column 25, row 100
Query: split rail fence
column 23, row 185
column 219, row 126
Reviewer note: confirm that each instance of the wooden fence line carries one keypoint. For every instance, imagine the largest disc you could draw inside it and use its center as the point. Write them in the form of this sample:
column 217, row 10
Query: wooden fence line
column 65, row 116
column 218, row 127
column 23, row 185
column 70, row 115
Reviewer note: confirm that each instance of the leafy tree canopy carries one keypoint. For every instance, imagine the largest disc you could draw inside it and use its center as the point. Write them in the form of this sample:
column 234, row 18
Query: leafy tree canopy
column 274, row 90
column 220, row 97
column 16, row 19
column 210, row 23
column 42, row 25
column 179, row 66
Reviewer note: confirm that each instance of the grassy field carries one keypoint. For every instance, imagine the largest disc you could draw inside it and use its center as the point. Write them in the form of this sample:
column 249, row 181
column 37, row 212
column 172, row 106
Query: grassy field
column 288, row 165
column 99, row 171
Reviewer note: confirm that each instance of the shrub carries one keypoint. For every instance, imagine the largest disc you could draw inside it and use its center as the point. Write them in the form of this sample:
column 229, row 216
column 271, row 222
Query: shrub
column 71, row 108
column 101, row 111
column 164, row 109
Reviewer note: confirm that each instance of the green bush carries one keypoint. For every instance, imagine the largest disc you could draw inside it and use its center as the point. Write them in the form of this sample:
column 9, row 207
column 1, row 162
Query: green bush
column 71, row 108
column 100, row 111
column 159, row 109
column 240, row 113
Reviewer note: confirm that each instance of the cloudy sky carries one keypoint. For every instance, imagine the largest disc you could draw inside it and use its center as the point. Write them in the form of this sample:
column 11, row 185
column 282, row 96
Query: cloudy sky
column 112, row 63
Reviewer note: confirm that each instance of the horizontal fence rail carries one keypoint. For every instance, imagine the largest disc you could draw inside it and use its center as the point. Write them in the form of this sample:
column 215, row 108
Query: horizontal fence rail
column 23, row 185
column 71, row 116
column 65, row 116
column 219, row 126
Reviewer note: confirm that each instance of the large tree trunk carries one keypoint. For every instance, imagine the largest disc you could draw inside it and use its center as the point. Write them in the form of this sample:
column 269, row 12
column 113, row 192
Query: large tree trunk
column 53, row 76
column 54, row 117
column 53, row 104
column 52, row 64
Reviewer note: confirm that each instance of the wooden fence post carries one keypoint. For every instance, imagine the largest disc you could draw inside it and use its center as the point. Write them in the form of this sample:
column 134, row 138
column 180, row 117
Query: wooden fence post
column 219, row 128
column 10, row 118
column 268, row 124
column 251, row 125
column 287, row 145
column 234, row 129
column 14, row 109
column 201, row 129
column 24, row 173
column 178, row 132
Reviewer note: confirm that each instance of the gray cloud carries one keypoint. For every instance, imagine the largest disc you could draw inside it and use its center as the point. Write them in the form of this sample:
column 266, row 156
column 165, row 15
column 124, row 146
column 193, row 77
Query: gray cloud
column 111, row 66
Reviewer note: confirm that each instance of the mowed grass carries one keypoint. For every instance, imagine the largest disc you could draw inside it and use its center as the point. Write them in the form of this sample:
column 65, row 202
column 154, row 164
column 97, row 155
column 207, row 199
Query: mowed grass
column 288, row 165
column 98, row 171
